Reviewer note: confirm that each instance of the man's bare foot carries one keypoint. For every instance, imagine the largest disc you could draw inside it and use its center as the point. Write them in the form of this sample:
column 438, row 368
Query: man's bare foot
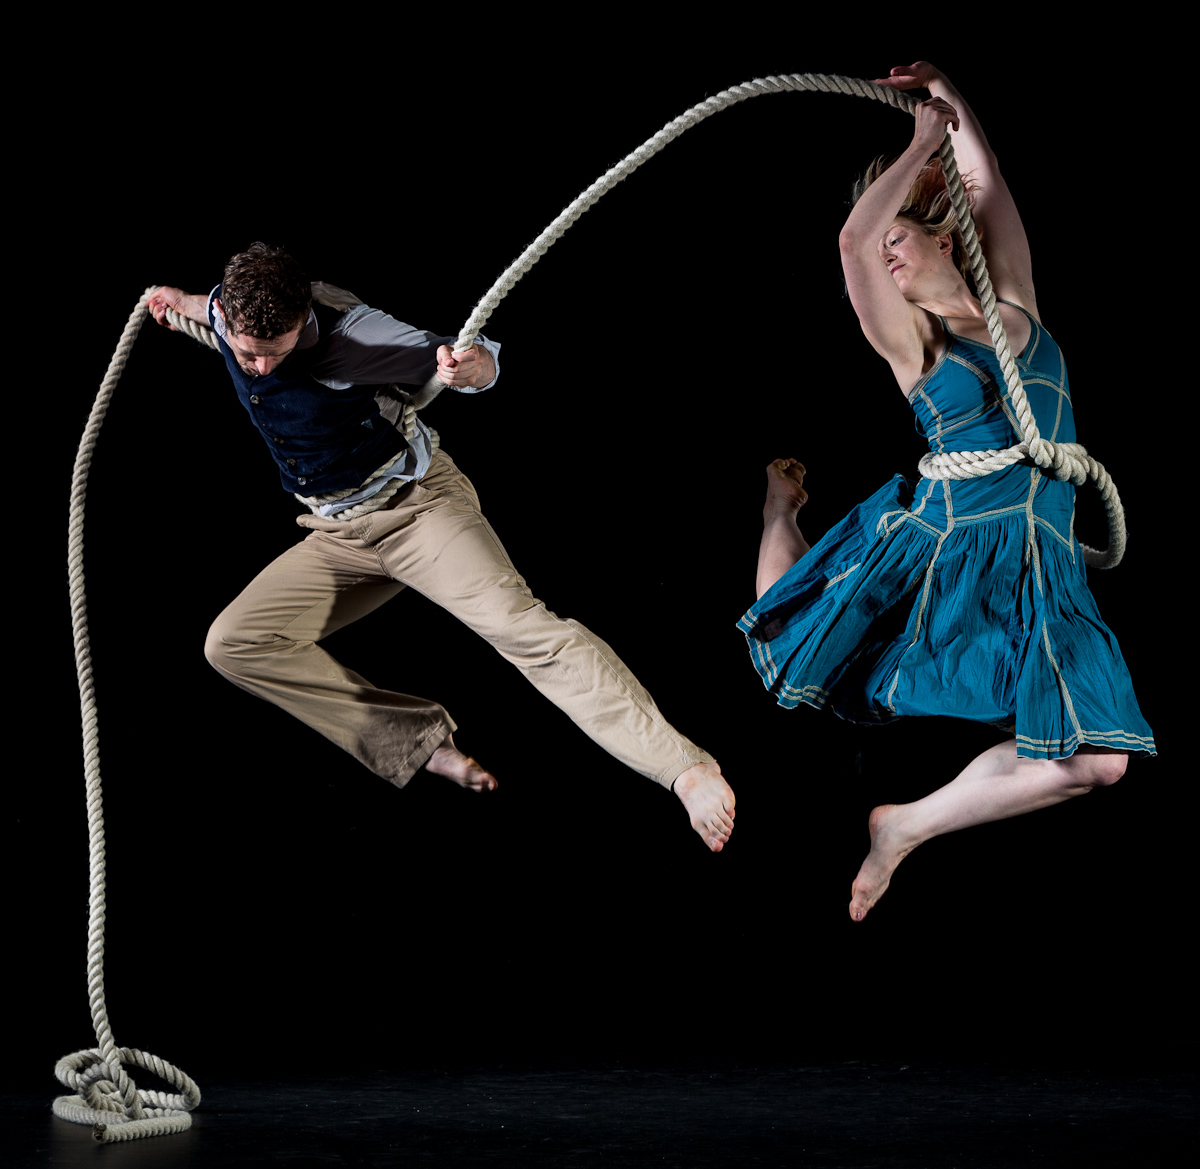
column 449, row 761
column 785, row 490
column 889, row 846
column 709, row 801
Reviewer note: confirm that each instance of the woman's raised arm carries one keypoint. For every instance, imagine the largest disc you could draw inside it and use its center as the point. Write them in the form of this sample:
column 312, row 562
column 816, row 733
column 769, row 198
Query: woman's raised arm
column 885, row 314
column 1005, row 245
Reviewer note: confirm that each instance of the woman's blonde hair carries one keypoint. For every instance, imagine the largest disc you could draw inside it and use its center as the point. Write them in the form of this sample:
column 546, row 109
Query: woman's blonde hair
column 928, row 205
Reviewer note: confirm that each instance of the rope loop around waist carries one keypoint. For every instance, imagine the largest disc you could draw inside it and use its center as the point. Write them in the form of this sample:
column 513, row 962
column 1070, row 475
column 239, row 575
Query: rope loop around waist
column 1059, row 460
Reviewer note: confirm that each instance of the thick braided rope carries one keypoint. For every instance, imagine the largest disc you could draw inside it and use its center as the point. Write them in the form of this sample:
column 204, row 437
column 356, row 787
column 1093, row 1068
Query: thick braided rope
column 1060, row 460
column 815, row 82
column 193, row 329
column 106, row 1096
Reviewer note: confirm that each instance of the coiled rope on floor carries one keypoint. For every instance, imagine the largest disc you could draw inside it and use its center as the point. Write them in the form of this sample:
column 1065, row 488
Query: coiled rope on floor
column 105, row 1094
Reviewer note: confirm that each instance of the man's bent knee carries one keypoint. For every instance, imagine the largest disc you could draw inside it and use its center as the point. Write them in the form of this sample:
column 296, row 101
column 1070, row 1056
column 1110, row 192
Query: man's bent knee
column 215, row 648
column 222, row 644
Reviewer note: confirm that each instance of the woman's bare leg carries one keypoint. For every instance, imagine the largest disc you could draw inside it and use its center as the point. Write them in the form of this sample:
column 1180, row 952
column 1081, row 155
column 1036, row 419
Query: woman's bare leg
column 782, row 544
column 994, row 786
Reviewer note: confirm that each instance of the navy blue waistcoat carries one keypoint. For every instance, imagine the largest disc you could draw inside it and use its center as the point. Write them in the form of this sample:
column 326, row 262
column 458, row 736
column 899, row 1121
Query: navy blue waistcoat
column 321, row 439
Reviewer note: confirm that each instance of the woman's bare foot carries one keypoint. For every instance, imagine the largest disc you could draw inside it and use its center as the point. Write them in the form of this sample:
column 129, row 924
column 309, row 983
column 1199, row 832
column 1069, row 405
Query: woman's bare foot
column 785, row 488
column 889, row 846
column 709, row 801
column 449, row 761
column 782, row 544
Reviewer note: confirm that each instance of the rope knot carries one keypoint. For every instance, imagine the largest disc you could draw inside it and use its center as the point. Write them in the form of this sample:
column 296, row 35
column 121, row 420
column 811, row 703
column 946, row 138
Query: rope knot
column 1044, row 453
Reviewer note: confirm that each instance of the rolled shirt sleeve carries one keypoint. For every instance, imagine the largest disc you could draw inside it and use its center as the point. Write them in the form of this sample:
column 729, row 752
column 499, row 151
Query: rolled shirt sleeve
column 373, row 348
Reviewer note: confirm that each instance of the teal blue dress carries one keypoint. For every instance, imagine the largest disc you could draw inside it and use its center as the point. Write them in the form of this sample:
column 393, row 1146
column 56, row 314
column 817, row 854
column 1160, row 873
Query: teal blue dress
column 958, row 597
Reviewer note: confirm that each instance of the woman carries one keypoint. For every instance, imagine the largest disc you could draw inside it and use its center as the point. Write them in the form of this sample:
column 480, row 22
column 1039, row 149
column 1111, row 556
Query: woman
column 951, row 597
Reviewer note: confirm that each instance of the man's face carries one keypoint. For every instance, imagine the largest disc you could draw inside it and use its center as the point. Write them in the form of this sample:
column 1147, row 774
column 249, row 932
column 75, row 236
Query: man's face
column 259, row 358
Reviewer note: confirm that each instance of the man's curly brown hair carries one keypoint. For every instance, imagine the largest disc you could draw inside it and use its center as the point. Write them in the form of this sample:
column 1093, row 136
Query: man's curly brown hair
column 264, row 293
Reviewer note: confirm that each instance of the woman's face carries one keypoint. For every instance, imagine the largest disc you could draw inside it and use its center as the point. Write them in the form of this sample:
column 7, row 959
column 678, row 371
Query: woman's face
column 912, row 256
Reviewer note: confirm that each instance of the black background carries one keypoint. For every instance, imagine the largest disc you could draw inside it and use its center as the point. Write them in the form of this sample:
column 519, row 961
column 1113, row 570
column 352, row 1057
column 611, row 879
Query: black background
column 270, row 901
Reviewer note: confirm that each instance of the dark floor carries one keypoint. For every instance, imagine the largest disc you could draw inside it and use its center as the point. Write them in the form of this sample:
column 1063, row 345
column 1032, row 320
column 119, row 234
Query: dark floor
column 854, row 1114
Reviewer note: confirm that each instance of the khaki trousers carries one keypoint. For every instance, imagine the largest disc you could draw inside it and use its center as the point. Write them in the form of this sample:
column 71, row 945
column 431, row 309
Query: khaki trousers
column 432, row 537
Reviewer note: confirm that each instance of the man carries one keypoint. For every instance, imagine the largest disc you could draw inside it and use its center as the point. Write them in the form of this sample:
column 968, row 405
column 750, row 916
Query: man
column 316, row 369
